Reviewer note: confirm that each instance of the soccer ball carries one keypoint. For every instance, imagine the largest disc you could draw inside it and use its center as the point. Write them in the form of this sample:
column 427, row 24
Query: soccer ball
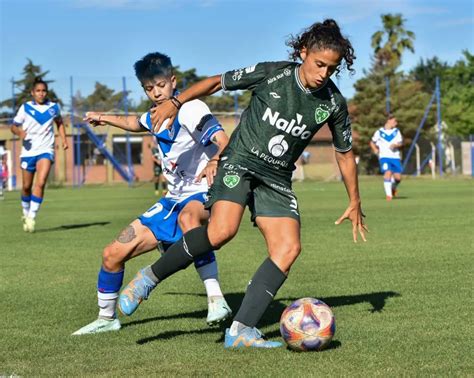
column 307, row 324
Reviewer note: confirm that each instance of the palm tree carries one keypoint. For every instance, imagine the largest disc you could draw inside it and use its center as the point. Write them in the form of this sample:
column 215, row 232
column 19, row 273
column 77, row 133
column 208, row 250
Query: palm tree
column 390, row 43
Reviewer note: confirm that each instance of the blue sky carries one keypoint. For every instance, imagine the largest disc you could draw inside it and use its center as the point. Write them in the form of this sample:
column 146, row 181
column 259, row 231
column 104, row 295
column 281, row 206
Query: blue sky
column 99, row 40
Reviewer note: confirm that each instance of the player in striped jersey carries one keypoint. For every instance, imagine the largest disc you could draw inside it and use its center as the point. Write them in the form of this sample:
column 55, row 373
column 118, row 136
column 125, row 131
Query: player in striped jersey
column 189, row 152
column 33, row 123
column 386, row 143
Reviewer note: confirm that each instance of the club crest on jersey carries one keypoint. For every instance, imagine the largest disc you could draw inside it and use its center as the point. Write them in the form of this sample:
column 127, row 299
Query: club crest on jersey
column 231, row 179
column 321, row 113
column 52, row 112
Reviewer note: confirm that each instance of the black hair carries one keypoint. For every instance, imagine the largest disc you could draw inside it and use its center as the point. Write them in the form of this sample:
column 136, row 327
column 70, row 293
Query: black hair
column 325, row 35
column 151, row 65
column 37, row 81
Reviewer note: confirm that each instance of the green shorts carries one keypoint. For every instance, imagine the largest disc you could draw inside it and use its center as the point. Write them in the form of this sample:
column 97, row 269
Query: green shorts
column 264, row 197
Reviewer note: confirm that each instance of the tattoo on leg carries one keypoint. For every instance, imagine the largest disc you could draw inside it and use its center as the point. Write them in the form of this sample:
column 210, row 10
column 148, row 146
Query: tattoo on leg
column 127, row 235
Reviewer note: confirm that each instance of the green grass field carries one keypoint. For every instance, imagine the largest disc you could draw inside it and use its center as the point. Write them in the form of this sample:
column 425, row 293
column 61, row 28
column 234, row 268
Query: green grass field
column 402, row 300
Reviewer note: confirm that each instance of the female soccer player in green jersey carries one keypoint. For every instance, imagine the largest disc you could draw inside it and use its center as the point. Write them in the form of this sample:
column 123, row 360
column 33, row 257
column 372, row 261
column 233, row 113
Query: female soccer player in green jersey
column 291, row 101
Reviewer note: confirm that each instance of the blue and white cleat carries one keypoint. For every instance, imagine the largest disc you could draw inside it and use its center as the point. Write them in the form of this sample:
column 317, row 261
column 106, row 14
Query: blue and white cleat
column 135, row 292
column 218, row 310
column 99, row 325
column 249, row 337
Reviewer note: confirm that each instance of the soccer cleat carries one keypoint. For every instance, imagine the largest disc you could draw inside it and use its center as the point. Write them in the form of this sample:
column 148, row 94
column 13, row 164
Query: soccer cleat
column 218, row 310
column 134, row 293
column 394, row 192
column 29, row 224
column 388, row 198
column 157, row 193
column 248, row 337
column 99, row 325
column 23, row 221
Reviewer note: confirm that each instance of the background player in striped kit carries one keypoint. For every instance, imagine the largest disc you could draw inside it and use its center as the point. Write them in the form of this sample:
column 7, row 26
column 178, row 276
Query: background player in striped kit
column 386, row 143
column 33, row 123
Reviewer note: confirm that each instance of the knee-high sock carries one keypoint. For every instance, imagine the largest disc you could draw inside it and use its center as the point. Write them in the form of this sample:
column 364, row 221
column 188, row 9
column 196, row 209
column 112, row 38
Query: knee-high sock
column 108, row 287
column 260, row 292
column 25, row 204
column 181, row 254
column 387, row 185
column 206, row 266
column 34, row 206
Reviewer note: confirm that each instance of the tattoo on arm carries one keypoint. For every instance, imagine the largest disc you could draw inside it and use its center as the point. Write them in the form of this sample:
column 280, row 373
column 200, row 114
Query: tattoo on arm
column 126, row 235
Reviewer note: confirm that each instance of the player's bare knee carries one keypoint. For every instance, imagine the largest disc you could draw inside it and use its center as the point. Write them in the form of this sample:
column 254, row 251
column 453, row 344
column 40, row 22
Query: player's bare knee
column 111, row 258
column 187, row 221
column 287, row 251
column 220, row 236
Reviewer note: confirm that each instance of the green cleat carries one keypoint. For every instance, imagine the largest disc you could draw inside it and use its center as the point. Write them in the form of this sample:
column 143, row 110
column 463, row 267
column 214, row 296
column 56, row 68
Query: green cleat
column 218, row 311
column 99, row 325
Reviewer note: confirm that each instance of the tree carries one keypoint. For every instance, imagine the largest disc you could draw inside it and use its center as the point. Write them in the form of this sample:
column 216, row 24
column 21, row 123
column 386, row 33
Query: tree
column 407, row 100
column 390, row 43
column 102, row 99
column 25, row 85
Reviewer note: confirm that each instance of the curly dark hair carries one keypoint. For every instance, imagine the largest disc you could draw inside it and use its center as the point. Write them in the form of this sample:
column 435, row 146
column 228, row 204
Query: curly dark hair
column 325, row 35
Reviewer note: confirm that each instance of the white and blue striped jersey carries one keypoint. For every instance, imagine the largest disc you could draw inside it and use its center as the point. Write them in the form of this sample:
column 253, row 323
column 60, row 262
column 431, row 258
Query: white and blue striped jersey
column 37, row 121
column 383, row 138
column 186, row 148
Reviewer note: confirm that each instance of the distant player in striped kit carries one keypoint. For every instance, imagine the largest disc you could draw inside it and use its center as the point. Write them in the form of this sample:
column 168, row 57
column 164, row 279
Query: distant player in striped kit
column 386, row 144
column 33, row 123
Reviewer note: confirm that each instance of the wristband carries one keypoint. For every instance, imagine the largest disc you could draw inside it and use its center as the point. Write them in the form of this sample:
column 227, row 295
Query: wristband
column 176, row 102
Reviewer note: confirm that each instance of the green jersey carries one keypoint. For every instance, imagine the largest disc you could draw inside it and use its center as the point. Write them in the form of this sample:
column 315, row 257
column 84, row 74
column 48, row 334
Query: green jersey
column 282, row 117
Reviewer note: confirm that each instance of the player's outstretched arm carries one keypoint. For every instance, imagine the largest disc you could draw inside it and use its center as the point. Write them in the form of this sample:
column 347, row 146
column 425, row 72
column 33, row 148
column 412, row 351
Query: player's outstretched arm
column 129, row 123
column 169, row 109
column 348, row 167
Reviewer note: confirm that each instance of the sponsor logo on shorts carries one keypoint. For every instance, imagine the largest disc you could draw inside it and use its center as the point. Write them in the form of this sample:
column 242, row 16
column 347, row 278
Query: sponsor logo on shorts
column 231, row 179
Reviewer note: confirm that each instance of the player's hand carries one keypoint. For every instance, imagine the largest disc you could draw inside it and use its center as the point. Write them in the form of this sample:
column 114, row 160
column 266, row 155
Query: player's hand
column 208, row 172
column 356, row 216
column 94, row 119
column 65, row 145
column 161, row 113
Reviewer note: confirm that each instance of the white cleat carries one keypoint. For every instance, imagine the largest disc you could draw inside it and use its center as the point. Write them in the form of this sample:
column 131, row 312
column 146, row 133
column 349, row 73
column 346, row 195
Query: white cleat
column 99, row 325
column 23, row 221
column 218, row 310
column 29, row 224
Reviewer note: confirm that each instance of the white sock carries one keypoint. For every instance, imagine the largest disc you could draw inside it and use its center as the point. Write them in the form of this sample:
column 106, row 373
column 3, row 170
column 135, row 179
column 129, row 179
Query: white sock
column 26, row 207
column 209, row 277
column 236, row 327
column 34, row 208
column 107, row 303
column 213, row 289
column 387, row 185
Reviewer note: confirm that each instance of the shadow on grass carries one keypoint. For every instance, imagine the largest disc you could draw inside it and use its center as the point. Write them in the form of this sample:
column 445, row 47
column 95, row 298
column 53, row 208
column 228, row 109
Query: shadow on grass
column 272, row 316
column 66, row 227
